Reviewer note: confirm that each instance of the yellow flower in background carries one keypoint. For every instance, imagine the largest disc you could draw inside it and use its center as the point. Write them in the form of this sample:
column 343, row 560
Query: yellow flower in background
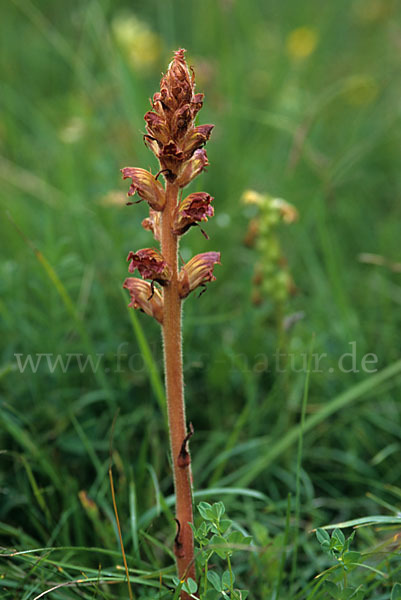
column 361, row 89
column 301, row 42
column 141, row 46
column 286, row 210
column 252, row 197
column 272, row 279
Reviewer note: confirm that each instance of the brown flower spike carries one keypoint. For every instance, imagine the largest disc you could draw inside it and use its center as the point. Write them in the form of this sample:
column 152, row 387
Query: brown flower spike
column 178, row 144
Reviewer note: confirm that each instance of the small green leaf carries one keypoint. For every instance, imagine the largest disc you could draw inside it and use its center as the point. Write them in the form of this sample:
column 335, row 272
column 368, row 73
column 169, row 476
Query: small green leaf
column 338, row 537
column 205, row 510
column 396, row 592
column 225, row 524
column 352, row 593
column 203, row 528
column 351, row 557
column 220, row 546
column 214, row 579
column 226, row 579
column 332, row 589
column 236, row 538
column 202, row 531
column 190, row 586
column 349, row 540
column 218, row 509
column 214, row 528
column 322, row 536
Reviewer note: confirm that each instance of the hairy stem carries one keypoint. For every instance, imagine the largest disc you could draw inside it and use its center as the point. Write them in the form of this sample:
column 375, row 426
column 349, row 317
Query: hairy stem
column 184, row 545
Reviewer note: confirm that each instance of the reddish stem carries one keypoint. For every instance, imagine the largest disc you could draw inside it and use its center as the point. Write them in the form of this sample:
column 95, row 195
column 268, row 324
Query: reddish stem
column 184, row 544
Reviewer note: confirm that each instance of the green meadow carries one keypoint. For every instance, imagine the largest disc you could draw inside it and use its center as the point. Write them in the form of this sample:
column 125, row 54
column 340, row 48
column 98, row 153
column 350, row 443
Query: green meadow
column 292, row 377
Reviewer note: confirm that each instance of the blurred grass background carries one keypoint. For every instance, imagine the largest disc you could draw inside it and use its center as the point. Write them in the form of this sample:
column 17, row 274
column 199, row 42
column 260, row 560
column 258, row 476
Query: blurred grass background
column 305, row 99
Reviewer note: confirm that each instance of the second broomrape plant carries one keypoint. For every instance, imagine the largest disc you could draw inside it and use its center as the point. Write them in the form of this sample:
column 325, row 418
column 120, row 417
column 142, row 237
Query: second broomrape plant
column 178, row 145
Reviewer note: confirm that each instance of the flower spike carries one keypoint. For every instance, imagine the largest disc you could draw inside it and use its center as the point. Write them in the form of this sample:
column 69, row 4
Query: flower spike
column 178, row 144
column 171, row 133
column 178, row 85
column 145, row 297
column 198, row 271
column 150, row 265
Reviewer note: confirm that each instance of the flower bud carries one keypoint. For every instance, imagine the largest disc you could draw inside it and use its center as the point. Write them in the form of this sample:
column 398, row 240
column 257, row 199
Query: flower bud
column 145, row 297
column 193, row 209
column 178, row 83
column 171, row 134
column 147, row 187
column 196, row 272
column 152, row 223
column 193, row 167
column 150, row 265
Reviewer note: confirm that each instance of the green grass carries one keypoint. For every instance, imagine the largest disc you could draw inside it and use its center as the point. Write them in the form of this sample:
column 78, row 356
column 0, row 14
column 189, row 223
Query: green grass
column 323, row 133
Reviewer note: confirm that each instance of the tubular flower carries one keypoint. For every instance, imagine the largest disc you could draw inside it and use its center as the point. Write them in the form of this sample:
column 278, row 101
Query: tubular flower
column 193, row 167
column 172, row 136
column 150, row 265
column 147, row 187
column 196, row 272
column 145, row 297
column 193, row 209
column 197, row 138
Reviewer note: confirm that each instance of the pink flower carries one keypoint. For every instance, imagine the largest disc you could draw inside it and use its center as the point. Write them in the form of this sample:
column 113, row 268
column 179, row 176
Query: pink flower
column 150, row 265
column 196, row 272
column 194, row 208
column 146, row 186
column 145, row 297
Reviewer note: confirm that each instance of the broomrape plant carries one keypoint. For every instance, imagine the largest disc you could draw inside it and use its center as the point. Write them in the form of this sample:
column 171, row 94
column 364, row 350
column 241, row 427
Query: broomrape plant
column 178, row 145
